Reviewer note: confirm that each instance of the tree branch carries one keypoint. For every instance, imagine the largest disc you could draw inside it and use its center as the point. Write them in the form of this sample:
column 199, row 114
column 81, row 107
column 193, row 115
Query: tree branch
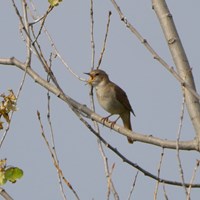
column 180, row 60
column 153, row 52
column 183, row 145
column 5, row 195
column 135, row 165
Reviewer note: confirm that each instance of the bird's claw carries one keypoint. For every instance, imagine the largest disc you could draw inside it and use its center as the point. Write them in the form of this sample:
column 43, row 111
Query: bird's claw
column 106, row 119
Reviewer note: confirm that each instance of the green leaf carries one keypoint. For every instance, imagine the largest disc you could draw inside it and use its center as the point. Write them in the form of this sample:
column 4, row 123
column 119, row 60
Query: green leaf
column 3, row 179
column 13, row 173
column 54, row 2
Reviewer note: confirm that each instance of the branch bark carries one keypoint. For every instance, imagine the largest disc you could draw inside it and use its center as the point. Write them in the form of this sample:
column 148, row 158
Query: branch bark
column 180, row 60
column 5, row 195
column 183, row 145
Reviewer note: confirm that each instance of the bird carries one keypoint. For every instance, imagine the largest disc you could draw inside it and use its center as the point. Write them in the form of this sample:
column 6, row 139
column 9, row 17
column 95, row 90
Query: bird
column 112, row 98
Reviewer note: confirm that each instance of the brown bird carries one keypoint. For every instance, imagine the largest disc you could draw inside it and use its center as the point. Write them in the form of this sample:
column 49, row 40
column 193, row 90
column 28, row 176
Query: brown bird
column 111, row 97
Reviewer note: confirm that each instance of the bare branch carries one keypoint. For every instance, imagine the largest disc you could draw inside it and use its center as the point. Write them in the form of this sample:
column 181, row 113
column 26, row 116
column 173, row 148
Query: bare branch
column 133, row 186
column 159, row 170
column 153, row 52
column 183, row 145
column 193, row 177
column 57, row 53
column 105, row 39
column 110, row 184
column 177, row 147
column 5, row 195
column 28, row 41
column 180, row 60
column 165, row 193
column 12, row 112
column 92, row 34
column 56, row 164
column 52, row 137
column 42, row 22
column 134, row 165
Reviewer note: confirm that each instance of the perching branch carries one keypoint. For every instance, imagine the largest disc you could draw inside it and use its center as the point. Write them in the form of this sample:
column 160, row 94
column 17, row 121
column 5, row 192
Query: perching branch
column 183, row 145
column 135, row 165
column 184, row 74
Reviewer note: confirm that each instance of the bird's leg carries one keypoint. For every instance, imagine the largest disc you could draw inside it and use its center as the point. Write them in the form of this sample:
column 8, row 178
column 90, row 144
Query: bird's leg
column 114, row 122
column 105, row 119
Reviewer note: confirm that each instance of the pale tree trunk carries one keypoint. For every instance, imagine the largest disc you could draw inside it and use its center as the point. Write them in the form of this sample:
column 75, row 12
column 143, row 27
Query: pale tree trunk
column 180, row 60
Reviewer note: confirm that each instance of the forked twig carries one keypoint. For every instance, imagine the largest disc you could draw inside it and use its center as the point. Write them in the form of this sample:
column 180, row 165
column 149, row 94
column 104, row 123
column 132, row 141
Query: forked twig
column 54, row 158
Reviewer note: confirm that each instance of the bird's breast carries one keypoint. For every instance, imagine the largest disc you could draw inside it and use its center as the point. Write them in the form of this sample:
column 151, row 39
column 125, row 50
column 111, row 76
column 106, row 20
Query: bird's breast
column 108, row 101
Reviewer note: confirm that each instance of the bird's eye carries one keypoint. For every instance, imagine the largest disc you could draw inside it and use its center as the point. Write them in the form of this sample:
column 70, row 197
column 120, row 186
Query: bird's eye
column 97, row 74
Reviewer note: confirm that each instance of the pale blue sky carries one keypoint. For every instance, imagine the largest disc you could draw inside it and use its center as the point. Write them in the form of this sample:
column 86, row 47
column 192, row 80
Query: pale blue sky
column 153, row 93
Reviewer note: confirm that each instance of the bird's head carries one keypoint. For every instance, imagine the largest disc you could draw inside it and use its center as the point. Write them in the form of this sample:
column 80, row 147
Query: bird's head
column 97, row 77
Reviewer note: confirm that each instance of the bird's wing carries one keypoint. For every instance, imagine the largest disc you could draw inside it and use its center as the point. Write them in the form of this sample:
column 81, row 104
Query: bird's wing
column 122, row 98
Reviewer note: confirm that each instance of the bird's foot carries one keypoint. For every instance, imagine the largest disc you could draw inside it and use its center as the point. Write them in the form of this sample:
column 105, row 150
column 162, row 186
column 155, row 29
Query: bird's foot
column 104, row 119
column 114, row 122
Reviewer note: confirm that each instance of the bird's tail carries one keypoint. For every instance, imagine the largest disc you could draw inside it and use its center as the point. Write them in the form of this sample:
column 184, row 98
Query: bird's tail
column 126, row 118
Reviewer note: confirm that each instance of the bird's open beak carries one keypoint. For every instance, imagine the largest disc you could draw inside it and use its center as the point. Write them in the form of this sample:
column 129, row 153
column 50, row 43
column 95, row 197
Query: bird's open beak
column 90, row 79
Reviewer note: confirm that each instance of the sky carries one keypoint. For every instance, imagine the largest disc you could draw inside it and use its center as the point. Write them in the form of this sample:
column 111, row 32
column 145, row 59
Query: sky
column 154, row 94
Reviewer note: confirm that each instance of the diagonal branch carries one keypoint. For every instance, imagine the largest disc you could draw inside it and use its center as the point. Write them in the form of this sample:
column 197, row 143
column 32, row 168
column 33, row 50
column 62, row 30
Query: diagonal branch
column 135, row 165
column 180, row 60
column 184, row 75
column 183, row 145
column 5, row 195
column 153, row 52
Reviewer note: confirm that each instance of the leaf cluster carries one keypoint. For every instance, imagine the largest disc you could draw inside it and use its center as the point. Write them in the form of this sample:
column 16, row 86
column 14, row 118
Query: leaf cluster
column 7, row 105
column 9, row 173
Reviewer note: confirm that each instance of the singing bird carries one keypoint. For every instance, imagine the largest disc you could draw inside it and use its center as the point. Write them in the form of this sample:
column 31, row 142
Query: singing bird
column 111, row 97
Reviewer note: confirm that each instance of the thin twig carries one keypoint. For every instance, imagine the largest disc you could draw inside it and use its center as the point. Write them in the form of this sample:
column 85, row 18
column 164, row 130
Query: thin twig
column 103, row 155
column 133, row 186
column 109, row 182
column 92, row 34
column 101, row 150
column 60, row 57
column 28, row 41
column 165, row 193
column 52, row 134
column 50, row 8
column 105, row 40
column 193, row 177
column 54, row 159
column 159, row 170
column 21, row 84
column 12, row 112
column 56, row 50
column 177, row 144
